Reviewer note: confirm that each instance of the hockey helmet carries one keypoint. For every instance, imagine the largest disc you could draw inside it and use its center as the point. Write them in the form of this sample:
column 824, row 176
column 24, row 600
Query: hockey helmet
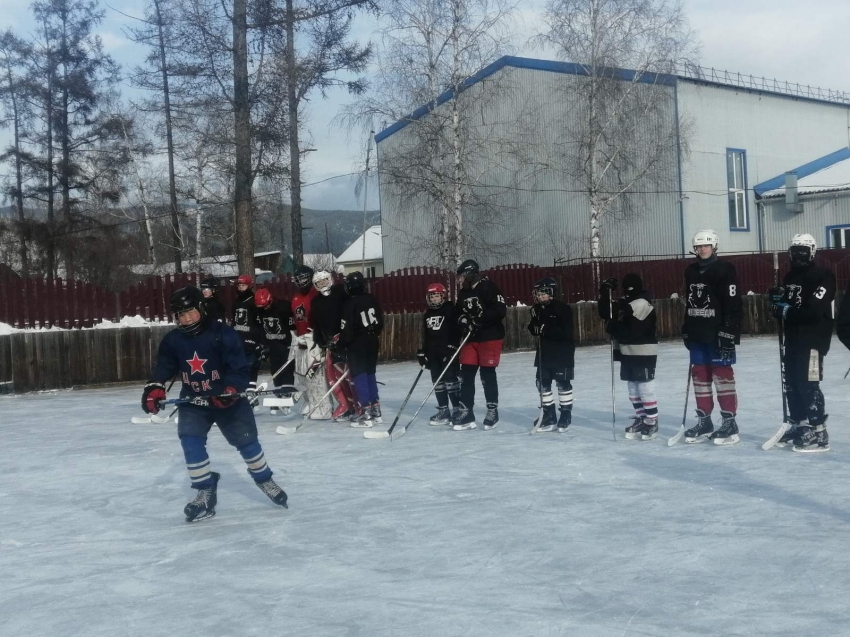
column 705, row 238
column 355, row 283
column 210, row 283
column 468, row 270
column 263, row 298
column 185, row 300
column 436, row 295
column 802, row 250
column 245, row 279
column 303, row 277
column 323, row 280
column 547, row 286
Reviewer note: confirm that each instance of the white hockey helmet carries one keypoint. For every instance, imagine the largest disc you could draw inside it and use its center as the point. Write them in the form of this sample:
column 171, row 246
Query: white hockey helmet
column 323, row 280
column 705, row 238
column 802, row 249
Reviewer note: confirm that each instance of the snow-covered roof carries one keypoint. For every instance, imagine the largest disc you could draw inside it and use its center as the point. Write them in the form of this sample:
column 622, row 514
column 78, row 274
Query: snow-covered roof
column 223, row 266
column 374, row 247
column 825, row 174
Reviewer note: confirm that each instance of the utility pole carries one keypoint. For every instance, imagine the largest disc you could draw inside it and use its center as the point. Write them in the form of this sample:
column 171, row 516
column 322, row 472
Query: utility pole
column 366, row 201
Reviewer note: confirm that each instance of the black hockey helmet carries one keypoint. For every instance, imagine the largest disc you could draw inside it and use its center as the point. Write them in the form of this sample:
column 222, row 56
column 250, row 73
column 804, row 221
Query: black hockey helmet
column 184, row 300
column 209, row 283
column 547, row 286
column 355, row 284
column 632, row 285
column 469, row 269
column 303, row 277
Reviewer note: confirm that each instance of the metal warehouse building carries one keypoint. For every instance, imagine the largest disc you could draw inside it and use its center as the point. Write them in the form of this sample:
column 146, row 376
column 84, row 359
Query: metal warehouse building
column 743, row 134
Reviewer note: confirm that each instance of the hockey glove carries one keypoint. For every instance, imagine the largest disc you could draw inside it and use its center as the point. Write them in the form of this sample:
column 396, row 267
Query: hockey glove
column 422, row 358
column 608, row 285
column 780, row 310
column 776, row 294
column 263, row 352
column 225, row 401
column 466, row 323
column 537, row 329
column 152, row 396
column 726, row 346
column 333, row 343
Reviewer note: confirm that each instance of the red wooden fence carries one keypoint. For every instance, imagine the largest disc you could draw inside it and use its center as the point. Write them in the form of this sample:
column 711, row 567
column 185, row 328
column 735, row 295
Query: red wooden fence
column 27, row 303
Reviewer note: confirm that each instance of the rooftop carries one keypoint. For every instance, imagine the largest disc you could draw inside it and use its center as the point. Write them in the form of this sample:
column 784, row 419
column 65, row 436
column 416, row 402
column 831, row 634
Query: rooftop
column 374, row 248
column 825, row 174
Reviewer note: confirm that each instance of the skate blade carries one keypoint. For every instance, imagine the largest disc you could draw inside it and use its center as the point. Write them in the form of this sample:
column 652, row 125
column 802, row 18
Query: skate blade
column 376, row 435
column 541, row 429
column 631, row 435
column 489, row 427
column 439, row 423
column 361, row 425
column 563, row 430
column 810, row 449
column 470, row 425
column 201, row 518
column 649, row 437
column 731, row 440
column 698, row 439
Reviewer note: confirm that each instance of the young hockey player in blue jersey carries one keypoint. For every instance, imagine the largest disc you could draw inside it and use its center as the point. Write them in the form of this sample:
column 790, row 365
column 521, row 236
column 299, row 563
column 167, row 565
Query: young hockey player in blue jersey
column 211, row 362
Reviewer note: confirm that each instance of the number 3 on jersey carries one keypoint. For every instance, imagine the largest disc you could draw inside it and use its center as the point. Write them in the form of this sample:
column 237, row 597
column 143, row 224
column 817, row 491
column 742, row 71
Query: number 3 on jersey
column 370, row 319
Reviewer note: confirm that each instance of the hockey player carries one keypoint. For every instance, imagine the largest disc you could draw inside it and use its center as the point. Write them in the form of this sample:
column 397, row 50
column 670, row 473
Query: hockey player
column 212, row 304
column 306, row 352
column 275, row 316
column 804, row 306
column 248, row 327
column 481, row 309
column 211, row 362
column 362, row 322
column 440, row 340
column 712, row 328
column 632, row 326
column 552, row 323
column 326, row 321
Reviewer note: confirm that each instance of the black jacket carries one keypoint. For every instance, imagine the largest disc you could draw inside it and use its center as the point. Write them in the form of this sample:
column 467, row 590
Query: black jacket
column 712, row 301
column 215, row 309
column 843, row 322
column 440, row 332
column 633, row 328
column 810, row 291
column 484, row 303
column 557, row 346
column 277, row 323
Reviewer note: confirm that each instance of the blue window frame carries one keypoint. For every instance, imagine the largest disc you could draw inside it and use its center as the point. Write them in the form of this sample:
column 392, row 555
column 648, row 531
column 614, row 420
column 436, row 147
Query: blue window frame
column 838, row 236
column 736, row 180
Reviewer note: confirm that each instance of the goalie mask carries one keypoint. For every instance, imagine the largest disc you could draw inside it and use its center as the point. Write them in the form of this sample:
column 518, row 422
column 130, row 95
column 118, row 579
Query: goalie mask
column 323, row 280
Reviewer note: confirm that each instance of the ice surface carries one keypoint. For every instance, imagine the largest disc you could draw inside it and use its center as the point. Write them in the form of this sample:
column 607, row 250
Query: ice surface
column 438, row 533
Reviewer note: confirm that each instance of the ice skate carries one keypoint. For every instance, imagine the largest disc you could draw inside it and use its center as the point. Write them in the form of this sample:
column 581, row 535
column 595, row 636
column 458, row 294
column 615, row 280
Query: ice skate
column 795, row 430
column 549, row 421
column 441, row 418
column 565, row 420
column 363, row 421
column 275, row 493
column 203, row 506
column 812, row 440
column 279, row 411
column 728, row 432
column 375, row 412
column 649, row 430
column 466, row 420
column 702, row 430
column 633, row 430
column 492, row 416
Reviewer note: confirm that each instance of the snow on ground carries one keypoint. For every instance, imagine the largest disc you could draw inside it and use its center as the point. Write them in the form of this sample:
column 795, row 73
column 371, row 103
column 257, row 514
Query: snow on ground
column 438, row 533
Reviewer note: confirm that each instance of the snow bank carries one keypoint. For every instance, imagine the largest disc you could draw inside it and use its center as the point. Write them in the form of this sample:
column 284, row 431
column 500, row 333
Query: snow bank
column 7, row 329
column 127, row 321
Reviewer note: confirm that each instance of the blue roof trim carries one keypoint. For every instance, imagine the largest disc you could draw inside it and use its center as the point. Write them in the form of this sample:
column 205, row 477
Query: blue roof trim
column 569, row 68
column 803, row 171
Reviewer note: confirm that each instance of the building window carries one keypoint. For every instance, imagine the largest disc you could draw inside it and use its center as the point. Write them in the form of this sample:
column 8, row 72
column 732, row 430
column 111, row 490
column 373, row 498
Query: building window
column 370, row 272
column 839, row 236
column 736, row 178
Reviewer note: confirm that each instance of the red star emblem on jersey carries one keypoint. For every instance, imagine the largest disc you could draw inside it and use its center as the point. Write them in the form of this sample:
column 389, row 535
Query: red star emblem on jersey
column 197, row 364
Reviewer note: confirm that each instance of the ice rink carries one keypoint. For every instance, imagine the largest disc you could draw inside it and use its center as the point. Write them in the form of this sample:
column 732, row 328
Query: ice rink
column 438, row 533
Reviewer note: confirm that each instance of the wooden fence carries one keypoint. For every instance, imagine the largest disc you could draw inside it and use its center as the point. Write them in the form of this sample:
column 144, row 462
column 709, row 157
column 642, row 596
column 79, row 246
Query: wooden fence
column 39, row 360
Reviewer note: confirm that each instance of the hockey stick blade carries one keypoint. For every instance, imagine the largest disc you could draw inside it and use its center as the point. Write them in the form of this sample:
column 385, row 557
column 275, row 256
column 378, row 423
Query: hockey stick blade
column 285, row 431
column 672, row 441
column 539, row 422
column 138, row 420
column 375, row 435
column 771, row 442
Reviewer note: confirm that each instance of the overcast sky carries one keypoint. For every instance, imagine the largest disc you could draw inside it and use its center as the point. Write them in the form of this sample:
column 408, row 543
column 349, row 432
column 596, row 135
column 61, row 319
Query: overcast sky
column 783, row 39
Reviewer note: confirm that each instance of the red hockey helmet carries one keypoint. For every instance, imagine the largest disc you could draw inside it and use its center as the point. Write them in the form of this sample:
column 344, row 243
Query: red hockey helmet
column 245, row 279
column 436, row 295
column 263, row 298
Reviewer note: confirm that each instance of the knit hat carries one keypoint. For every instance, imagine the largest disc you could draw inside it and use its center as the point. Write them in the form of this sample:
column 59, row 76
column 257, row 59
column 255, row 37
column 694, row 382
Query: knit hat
column 632, row 284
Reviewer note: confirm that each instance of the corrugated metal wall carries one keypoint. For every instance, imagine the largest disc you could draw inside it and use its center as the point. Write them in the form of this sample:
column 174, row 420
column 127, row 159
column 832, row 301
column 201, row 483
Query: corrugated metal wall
column 819, row 211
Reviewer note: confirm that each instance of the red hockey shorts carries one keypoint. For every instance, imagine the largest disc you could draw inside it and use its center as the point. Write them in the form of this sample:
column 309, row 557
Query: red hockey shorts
column 484, row 354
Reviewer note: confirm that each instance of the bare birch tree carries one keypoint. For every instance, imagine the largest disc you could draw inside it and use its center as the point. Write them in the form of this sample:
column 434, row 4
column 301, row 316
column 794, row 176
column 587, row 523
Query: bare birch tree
column 624, row 134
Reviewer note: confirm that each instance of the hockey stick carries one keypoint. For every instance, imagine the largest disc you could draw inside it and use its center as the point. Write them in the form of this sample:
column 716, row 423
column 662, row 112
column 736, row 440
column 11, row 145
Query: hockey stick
column 374, row 435
column 539, row 387
column 786, row 425
column 847, row 372
column 613, row 400
column 284, row 431
column 203, row 401
column 404, row 429
column 672, row 441
column 144, row 420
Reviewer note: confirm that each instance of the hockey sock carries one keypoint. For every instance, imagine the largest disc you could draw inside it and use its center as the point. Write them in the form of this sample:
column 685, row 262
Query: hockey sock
column 634, row 397
column 491, row 385
column 453, row 391
column 467, row 385
column 441, row 394
column 646, row 392
column 565, row 395
column 547, row 398
column 724, row 385
column 197, row 460
column 373, row 388
column 361, row 386
column 702, row 388
column 252, row 454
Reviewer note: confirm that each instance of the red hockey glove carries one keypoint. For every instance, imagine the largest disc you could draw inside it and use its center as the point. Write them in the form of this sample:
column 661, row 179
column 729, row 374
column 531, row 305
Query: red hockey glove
column 152, row 396
column 225, row 401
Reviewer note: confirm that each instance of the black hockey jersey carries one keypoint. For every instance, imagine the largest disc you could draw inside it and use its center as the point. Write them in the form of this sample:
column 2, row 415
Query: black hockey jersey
column 557, row 346
column 439, row 331
column 245, row 317
column 277, row 323
column 810, row 291
column 712, row 301
column 361, row 315
column 633, row 328
column 843, row 322
column 486, row 305
column 214, row 309
column 326, row 315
